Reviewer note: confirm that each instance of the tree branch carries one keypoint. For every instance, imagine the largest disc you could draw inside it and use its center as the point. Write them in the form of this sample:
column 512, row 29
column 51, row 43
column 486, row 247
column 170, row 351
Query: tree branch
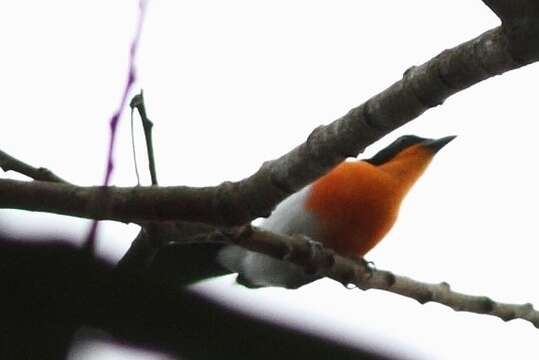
column 138, row 102
column 501, row 49
column 236, row 203
column 8, row 162
column 323, row 262
column 326, row 263
column 520, row 24
column 441, row 293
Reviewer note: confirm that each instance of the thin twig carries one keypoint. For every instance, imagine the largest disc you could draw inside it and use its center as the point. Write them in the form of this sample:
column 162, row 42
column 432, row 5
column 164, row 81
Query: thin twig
column 134, row 147
column 138, row 103
column 150, row 239
column 9, row 163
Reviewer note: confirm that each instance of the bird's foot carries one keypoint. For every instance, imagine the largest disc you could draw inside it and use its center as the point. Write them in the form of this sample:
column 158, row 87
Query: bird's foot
column 369, row 266
column 315, row 247
column 317, row 255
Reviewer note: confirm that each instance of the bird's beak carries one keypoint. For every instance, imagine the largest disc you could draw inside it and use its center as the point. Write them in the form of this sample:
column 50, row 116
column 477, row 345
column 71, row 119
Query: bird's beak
column 437, row 144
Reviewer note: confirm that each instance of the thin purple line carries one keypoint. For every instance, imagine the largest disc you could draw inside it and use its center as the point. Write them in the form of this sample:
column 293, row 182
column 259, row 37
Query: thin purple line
column 129, row 84
column 113, row 123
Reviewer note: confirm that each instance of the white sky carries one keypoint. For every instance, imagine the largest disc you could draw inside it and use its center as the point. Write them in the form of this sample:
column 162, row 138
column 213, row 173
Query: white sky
column 230, row 84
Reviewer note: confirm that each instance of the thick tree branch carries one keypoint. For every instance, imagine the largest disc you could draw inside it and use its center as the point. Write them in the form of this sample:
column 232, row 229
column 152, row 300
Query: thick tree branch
column 235, row 203
column 496, row 51
column 520, row 24
column 176, row 325
column 324, row 262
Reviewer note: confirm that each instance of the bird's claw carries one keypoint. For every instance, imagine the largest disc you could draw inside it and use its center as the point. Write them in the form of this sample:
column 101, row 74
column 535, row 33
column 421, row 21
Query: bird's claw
column 315, row 247
column 315, row 250
column 369, row 266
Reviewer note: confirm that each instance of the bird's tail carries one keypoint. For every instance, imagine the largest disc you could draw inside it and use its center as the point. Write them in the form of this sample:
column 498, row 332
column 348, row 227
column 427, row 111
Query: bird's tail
column 259, row 270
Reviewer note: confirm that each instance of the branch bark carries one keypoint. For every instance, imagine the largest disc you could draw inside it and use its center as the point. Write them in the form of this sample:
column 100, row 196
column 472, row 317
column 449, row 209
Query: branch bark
column 501, row 49
column 9, row 163
column 235, row 203
column 520, row 24
column 326, row 263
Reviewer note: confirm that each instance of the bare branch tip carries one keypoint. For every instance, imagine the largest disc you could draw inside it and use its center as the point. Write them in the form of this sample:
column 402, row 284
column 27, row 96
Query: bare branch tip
column 137, row 100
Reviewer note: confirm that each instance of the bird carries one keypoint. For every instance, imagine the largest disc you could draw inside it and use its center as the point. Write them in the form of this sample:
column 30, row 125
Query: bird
column 349, row 210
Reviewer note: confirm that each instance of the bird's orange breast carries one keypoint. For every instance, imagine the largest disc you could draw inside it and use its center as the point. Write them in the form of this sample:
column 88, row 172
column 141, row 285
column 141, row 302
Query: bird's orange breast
column 356, row 205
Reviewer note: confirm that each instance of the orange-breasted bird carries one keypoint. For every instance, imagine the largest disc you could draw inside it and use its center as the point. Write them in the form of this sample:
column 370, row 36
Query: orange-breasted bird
column 349, row 210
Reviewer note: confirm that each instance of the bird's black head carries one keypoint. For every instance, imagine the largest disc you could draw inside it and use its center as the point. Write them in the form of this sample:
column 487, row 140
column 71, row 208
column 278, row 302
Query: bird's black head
column 405, row 142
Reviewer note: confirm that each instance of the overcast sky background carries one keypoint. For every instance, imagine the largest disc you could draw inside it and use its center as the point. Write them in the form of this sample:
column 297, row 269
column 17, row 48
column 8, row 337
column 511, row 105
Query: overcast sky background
column 230, row 84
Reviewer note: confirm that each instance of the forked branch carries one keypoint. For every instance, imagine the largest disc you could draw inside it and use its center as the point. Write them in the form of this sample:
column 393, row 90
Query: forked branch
column 510, row 46
column 236, row 203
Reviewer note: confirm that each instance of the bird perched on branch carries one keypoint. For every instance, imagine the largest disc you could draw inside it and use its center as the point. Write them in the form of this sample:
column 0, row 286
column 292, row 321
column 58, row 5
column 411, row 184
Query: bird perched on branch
column 349, row 210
